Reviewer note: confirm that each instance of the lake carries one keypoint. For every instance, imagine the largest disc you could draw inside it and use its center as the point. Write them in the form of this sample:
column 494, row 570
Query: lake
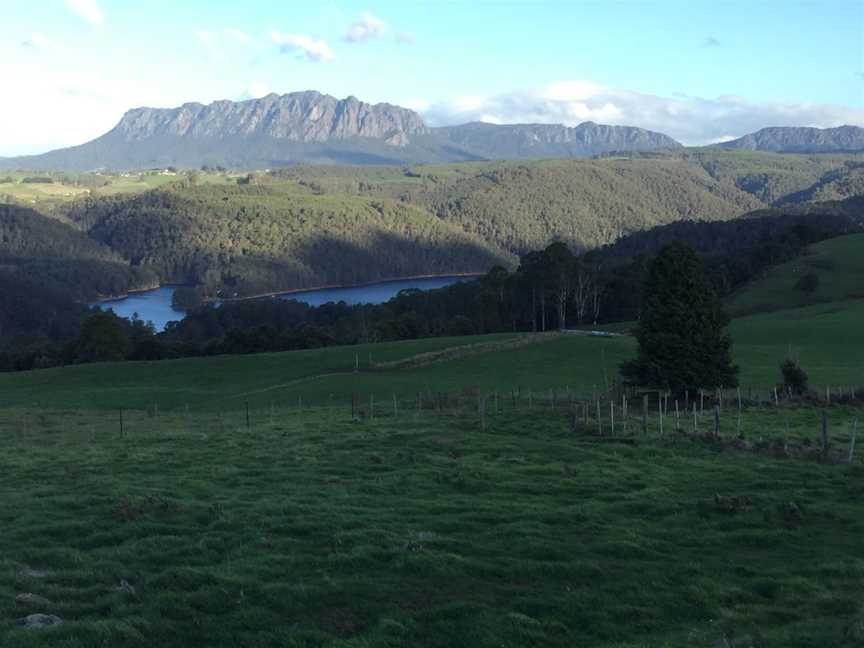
column 155, row 305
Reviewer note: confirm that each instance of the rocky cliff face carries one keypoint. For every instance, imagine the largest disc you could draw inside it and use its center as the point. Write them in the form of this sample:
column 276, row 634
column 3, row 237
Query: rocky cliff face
column 315, row 128
column 843, row 139
column 298, row 117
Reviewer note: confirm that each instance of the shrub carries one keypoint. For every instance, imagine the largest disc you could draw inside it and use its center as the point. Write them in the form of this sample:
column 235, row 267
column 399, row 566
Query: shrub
column 794, row 377
column 807, row 283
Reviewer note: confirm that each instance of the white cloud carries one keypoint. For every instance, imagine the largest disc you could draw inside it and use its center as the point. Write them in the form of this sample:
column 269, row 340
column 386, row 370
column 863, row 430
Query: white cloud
column 256, row 90
column 38, row 41
column 366, row 28
column 690, row 120
column 314, row 50
column 89, row 10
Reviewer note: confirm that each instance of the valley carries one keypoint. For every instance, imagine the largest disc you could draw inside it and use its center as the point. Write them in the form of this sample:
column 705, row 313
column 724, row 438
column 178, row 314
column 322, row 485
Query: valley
column 300, row 371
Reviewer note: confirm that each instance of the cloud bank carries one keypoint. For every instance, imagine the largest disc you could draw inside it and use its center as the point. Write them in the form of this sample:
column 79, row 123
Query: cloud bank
column 89, row 10
column 37, row 41
column 305, row 46
column 690, row 120
column 367, row 27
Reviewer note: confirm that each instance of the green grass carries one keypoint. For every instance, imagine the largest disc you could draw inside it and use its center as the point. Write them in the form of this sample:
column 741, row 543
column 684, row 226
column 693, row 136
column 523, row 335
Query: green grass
column 307, row 528
column 311, row 530
column 828, row 339
column 221, row 382
column 838, row 262
column 47, row 197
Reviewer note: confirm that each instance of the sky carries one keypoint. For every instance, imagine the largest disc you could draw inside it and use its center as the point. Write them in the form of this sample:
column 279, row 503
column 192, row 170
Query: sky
column 700, row 71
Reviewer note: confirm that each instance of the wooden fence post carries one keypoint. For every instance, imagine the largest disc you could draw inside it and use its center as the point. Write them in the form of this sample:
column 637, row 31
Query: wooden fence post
column 824, row 435
column 122, row 434
column 645, row 414
column 612, row 415
column 738, row 422
column 716, row 420
column 395, row 406
column 624, row 412
column 599, row 422
column 852, row 440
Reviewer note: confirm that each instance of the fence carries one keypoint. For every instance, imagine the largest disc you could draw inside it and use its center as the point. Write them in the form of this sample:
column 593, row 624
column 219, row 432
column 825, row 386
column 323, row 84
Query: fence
column 618, row 414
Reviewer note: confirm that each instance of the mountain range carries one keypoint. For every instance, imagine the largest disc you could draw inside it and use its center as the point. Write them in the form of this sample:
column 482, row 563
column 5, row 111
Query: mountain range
column 843, row 139
column 310, row 127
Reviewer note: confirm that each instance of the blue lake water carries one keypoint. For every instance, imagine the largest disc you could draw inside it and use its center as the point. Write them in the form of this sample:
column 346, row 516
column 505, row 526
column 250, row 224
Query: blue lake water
column 155, row 305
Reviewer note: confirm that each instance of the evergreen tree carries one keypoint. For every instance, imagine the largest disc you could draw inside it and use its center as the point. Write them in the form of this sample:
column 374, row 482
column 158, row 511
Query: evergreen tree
column 102, row 339
column 683, row 342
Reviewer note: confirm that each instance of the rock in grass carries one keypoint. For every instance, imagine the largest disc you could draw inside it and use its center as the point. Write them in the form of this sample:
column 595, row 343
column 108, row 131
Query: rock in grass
column 39, row 621
column 126, row 587
column 32, row 600
column 27, row 572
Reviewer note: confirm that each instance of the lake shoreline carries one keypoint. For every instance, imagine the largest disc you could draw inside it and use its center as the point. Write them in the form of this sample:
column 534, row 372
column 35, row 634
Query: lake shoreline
column 294, row 291
column 290, row 291
column 129, row 293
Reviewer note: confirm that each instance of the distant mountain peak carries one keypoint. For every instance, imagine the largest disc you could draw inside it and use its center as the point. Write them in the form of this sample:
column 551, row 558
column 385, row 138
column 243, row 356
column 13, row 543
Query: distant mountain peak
column 801, row 139
column 307, row 116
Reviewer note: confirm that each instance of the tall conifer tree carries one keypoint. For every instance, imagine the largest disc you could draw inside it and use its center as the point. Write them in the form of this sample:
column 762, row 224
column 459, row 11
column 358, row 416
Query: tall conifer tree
column 683, row 341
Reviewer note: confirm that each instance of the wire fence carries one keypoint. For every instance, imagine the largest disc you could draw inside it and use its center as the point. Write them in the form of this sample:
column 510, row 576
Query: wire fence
column 813, row 424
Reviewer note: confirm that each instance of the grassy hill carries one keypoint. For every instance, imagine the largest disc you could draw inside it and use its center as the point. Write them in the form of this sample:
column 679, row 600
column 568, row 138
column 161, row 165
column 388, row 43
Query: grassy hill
column 291, row 523
column 298, row 526
column 828, row 339
column 837, row 263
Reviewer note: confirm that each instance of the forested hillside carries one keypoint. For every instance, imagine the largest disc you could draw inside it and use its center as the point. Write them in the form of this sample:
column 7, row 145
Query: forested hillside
column 251, row 239
column 56, row 256
column 586, row 203
column 242, row 234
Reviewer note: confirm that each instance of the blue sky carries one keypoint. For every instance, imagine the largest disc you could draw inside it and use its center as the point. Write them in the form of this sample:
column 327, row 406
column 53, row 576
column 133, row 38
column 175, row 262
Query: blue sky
column 700, row 71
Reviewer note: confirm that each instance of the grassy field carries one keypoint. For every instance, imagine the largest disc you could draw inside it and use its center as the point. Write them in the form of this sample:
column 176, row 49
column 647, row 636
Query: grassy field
column 293, row 523
column 308, row 529
column 66, row 187
column 838, row 263
column 828, row 339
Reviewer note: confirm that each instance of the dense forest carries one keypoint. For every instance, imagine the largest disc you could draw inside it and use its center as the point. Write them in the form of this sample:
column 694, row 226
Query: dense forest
column 308, row 226
column 252, row 239
column 54, row 255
